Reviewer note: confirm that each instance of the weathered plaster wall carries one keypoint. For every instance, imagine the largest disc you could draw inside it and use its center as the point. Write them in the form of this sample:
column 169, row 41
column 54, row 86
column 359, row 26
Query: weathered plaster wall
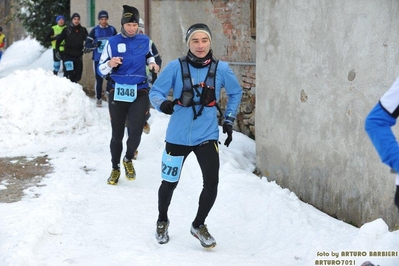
column 321, row 67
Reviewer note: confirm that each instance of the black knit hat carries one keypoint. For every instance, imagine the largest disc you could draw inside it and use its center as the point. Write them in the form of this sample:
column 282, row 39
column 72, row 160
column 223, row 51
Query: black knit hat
column 130, row 14
column 75, row 15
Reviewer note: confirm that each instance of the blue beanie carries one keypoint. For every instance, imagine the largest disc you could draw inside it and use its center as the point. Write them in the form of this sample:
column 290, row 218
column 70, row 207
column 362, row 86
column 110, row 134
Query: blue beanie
column 59, row 17
column 102, row 14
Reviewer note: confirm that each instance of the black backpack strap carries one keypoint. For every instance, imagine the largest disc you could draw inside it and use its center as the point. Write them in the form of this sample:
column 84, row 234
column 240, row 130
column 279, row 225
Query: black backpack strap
column 185, row 71
column 187, row 82
column 186, row 77
column 210, row 79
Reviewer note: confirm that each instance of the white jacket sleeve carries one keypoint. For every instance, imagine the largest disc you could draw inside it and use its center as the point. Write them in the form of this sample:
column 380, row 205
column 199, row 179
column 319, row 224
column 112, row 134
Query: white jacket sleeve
column 106, row 55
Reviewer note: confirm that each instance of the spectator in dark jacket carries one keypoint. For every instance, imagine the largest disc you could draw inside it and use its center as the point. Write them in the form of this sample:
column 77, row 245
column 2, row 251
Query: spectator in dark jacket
column 74, row 36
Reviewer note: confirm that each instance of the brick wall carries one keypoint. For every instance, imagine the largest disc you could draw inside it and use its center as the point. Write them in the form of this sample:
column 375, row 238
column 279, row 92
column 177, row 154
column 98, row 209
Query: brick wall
column 240, row 52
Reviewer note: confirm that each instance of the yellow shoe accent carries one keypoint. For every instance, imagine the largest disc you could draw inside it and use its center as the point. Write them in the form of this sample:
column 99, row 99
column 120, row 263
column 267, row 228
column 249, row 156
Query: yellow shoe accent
column 130, row 173
column 114, row 177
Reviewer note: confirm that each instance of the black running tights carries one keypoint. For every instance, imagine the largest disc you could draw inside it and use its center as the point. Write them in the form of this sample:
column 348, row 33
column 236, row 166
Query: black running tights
column 208, row 159
column 122, row 113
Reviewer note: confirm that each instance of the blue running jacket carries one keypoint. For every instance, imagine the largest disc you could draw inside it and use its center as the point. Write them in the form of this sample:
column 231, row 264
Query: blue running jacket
column 182, row 128
column 378, row 126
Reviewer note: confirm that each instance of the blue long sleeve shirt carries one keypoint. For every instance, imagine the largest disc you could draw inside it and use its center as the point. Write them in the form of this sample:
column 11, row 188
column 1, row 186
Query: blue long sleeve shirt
column 182, row 128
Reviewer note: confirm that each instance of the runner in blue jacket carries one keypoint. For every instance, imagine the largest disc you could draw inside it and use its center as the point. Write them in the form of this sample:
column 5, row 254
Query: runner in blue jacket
column 378, row 126
column 95, row 42
column 193, row 125
column 124, row 58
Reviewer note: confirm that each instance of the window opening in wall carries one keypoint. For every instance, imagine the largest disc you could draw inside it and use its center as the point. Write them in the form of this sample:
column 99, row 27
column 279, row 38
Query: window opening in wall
column 253, row 18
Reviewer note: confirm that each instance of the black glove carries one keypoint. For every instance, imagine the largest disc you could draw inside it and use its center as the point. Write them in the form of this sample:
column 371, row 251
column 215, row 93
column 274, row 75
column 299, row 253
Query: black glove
column 228, row 128
column 167, row 107
column 154, row 77
column 58, row 55
column 99, row 43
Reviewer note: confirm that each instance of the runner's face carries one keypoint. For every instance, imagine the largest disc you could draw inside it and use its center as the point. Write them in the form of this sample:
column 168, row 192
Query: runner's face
column 131, row 27
column 200, row 44
column 103, row 22
column 76, row 21
column 61, row 22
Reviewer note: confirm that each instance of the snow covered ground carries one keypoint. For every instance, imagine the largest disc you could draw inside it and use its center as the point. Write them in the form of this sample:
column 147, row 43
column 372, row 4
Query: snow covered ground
column 80, row 220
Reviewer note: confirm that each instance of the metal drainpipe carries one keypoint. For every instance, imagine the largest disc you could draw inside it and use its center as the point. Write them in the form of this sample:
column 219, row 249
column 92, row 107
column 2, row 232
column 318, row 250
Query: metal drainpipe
column 242, row 63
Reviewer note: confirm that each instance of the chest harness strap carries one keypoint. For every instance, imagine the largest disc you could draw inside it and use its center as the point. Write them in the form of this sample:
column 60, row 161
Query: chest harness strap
column 207, row 94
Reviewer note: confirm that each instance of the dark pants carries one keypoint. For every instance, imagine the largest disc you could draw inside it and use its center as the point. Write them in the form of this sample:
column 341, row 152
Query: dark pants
column 76, row 74
column 134, row 114
column 56, row 63
column 208, row 159
column 99, row 82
